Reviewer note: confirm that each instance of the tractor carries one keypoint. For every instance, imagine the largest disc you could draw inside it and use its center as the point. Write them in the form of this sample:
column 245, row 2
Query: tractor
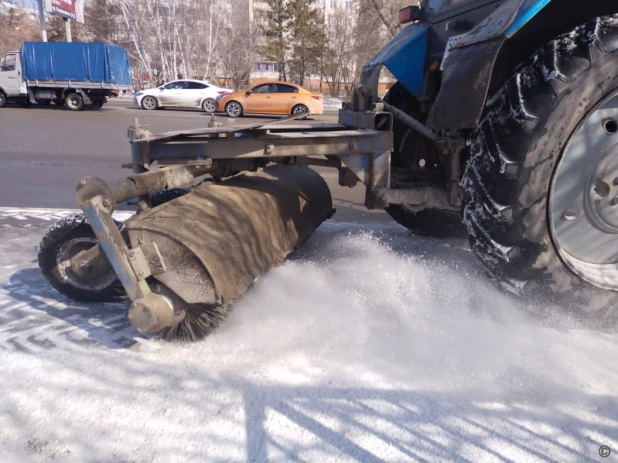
column 502, row 124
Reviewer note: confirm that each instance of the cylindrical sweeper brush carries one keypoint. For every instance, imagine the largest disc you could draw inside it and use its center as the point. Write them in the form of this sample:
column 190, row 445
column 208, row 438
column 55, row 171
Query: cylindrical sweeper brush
column 215, row 241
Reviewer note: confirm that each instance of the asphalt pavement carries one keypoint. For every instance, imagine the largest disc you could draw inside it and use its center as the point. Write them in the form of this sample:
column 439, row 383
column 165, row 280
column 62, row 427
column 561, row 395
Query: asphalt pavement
column 45, row 151
column 367, row 344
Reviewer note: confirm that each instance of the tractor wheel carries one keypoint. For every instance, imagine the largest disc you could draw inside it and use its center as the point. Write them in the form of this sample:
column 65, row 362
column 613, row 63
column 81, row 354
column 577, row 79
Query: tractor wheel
column 541, row 179
column 59, row 245
column 410, row 151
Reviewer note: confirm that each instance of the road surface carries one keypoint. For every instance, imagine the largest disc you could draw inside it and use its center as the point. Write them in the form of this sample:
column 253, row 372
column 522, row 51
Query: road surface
column 59, row 147
column 367, row 345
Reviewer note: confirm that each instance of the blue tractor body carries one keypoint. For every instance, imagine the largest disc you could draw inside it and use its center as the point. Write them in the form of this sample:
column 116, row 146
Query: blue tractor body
column 481, row 35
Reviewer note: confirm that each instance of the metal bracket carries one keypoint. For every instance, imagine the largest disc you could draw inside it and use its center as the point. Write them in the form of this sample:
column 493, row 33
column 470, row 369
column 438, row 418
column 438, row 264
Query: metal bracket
column 374, row 171
column 85, row 96
column 149, row 312
column 417, row 199
column 146, row 260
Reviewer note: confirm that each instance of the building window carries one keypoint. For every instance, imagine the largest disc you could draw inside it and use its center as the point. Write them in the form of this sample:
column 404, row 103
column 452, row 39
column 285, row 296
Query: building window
column 266, row 67
column 349, row 5
column 333, row 4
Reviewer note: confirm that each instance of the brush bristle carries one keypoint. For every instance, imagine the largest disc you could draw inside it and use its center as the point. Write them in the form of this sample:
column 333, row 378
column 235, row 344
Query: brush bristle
column 200, row 320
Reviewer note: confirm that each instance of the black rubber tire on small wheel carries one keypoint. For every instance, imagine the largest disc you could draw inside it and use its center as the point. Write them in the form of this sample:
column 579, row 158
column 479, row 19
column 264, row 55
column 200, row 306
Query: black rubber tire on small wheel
column 74, row 102
column 61, row 242
column 3, row 100
column 513, row 153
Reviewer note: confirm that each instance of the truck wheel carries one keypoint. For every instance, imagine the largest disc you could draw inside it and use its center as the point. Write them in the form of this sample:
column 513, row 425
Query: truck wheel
column 74, row 102
column 60, row 243
column 541, row 181
column 2, row 100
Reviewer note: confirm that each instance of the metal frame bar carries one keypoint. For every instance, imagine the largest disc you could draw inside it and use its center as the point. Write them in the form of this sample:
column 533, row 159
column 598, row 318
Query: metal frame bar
column 76, row 84
column 283, row 144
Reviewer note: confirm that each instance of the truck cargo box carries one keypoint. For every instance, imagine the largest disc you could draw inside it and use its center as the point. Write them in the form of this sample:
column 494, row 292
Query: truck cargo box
column 88, row 65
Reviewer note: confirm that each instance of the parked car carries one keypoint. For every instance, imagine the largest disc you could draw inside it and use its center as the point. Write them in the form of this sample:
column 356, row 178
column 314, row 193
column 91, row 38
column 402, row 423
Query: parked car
column 272, row 98
column 182, row 94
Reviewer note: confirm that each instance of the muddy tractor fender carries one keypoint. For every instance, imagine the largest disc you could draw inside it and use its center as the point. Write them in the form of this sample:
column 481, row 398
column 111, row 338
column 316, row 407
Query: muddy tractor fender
column 487, row 55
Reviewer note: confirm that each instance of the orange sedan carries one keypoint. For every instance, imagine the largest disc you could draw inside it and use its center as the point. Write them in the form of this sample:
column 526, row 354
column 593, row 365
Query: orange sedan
column 271, row 98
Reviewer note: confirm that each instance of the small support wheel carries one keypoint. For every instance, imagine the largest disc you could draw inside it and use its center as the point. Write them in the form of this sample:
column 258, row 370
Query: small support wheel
column 63, row 241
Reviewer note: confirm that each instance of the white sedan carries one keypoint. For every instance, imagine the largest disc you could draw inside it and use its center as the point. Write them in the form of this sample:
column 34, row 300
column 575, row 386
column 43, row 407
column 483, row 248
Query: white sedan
column 182, row 94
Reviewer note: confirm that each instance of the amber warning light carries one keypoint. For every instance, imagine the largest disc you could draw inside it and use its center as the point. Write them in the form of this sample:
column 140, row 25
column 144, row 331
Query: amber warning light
column 409, row 14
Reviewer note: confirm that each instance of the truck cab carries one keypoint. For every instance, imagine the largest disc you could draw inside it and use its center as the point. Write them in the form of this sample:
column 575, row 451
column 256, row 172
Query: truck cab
column 11, row 81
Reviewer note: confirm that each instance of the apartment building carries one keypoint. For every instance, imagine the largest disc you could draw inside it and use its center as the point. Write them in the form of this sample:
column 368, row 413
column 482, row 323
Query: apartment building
column 332, row 11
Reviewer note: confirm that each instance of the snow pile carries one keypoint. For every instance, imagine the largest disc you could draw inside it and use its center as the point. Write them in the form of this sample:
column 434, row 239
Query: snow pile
column 363, row 347
column 335, row 103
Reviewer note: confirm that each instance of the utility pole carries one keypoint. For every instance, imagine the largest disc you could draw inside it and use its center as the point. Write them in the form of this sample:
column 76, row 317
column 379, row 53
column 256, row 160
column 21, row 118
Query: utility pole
column 67, row 25
column 42, row 20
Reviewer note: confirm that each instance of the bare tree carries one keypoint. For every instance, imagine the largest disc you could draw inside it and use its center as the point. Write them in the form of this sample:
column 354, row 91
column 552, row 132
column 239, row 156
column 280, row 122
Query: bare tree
column 239, row 48
column 387, row 11
column 17, row 27
column 339, row 60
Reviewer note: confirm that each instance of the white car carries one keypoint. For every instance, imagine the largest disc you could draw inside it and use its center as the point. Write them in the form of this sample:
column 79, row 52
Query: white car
column 183, row 94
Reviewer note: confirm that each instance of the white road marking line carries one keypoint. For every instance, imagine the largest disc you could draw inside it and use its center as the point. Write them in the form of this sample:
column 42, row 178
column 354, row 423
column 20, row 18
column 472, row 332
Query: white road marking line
column 49, row 214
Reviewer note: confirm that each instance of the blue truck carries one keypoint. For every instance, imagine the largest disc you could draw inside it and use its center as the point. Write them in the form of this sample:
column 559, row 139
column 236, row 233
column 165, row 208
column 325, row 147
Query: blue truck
column 76, row 75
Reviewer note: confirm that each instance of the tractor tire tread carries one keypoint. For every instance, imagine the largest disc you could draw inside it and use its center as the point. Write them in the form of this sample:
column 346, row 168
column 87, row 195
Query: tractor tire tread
column 500, row 169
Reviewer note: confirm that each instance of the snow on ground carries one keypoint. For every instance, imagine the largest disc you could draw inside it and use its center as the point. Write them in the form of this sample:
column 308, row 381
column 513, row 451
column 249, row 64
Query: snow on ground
column 330, row 102
column 367, row 345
